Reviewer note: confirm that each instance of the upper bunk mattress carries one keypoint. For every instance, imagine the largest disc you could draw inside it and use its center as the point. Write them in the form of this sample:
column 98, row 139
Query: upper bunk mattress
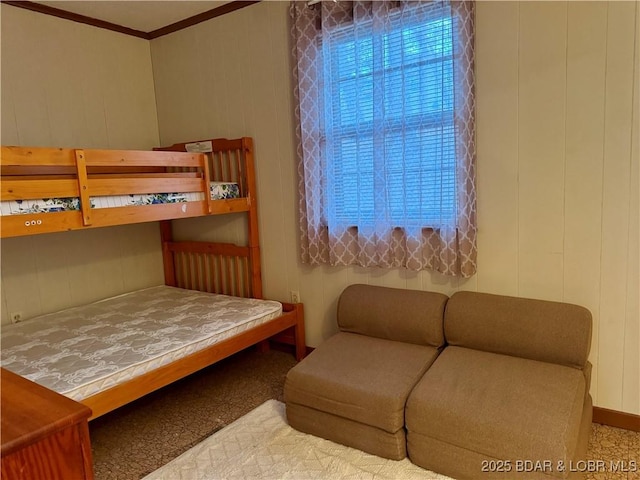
column 218, row 190
column 84, row 350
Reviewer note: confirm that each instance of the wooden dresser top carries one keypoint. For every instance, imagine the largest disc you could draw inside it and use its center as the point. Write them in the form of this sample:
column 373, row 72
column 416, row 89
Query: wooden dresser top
column 31, row 412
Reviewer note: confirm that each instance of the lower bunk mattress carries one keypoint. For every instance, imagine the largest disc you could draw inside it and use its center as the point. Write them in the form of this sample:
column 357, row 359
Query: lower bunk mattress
column 84, row 350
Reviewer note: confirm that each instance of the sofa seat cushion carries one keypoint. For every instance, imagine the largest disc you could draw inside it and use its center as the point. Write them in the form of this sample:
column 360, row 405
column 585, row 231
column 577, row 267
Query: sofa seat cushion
column 360, row 378
column 500, row 406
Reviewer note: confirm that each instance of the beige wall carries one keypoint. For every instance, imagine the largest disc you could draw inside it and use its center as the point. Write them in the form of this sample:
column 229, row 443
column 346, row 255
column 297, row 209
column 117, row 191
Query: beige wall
column 558, row 170
column 557, row 161
column 558, row 153
column 67, row 84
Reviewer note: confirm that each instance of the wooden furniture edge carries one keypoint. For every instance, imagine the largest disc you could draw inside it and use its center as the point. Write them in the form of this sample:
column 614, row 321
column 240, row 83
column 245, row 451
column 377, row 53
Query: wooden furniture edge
column 67, row 410
column 44, row 433
column 13, row 225
column 252, row 225
column 135, row 388
column 299, row 340
column 615, row 418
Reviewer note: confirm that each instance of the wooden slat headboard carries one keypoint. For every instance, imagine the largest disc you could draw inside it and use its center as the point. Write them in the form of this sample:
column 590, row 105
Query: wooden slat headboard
column 237, row 268
column 211, row 267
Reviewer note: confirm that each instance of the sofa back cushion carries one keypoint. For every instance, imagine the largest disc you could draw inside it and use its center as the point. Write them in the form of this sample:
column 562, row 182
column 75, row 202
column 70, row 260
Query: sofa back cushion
column 410, row 316
column 536, row 329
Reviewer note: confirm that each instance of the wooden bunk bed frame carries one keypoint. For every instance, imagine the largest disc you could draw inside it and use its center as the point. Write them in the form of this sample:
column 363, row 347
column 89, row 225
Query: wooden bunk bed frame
column 29, row 173
column 228, row 269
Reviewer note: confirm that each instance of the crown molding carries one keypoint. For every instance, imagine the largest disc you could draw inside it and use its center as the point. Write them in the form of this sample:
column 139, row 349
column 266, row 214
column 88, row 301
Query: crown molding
column 174, row 27
column 199, row 18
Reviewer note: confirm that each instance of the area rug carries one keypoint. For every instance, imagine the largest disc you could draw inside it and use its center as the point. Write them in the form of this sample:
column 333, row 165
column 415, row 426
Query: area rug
column 261, row 445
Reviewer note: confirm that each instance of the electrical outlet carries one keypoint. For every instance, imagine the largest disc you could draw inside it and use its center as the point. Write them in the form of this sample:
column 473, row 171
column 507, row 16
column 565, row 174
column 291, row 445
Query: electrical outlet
column 295, row 296
column 16, row 317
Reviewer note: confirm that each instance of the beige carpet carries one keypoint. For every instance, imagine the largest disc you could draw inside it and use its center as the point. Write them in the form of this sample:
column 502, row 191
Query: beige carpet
column 262, row 445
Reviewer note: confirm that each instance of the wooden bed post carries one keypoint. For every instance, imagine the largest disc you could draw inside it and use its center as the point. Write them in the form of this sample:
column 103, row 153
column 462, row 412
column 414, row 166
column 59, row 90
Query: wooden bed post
column 166, row 236
column 300, row 340
column 254, row 237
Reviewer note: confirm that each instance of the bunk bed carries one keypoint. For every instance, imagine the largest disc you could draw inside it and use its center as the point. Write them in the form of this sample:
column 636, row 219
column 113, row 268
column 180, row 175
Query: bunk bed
column 45, row 190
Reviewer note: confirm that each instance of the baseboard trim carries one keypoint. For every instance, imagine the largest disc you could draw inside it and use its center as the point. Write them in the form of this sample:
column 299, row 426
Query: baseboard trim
column 614, row 418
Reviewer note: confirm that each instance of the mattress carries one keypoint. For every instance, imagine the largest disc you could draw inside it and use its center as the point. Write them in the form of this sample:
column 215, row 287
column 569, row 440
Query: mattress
column 84, row 350
column 219, row 191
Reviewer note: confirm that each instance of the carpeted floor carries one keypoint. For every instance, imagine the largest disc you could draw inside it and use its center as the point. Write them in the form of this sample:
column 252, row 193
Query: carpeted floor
column 140, row 437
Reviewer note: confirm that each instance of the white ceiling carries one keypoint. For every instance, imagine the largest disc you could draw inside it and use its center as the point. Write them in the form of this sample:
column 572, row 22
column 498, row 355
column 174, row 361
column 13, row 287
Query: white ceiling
column 145, row 16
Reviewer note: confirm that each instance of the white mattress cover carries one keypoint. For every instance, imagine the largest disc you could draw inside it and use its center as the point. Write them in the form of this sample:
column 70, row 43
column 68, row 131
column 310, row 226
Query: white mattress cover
column 262, row 445
column 84, row 350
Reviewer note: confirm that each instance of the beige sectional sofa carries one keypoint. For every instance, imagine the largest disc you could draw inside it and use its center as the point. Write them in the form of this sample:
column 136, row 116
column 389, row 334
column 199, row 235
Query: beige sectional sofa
column 472, row 386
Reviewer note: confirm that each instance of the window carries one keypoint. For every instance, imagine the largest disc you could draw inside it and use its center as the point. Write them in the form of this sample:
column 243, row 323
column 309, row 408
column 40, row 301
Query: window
column 410, row 89
column 386, row 133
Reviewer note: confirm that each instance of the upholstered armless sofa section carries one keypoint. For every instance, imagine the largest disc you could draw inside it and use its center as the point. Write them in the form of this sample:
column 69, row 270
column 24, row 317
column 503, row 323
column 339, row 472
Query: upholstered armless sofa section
column 353, row 388
column 509, row 395
column 476, row 386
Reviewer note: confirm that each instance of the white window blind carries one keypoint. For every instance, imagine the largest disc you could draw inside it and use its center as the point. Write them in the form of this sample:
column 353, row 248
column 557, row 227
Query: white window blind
column 389, row 113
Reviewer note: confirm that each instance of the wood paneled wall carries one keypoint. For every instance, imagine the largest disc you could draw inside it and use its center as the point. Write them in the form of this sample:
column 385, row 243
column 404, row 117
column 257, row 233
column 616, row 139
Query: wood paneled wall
column 558, row 169
column 558, row 155
column 71, row 85
column 557, row 161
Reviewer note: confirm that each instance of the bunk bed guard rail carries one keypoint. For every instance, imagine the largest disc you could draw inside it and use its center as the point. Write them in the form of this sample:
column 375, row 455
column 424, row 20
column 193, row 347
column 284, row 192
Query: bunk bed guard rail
column 72, row 181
